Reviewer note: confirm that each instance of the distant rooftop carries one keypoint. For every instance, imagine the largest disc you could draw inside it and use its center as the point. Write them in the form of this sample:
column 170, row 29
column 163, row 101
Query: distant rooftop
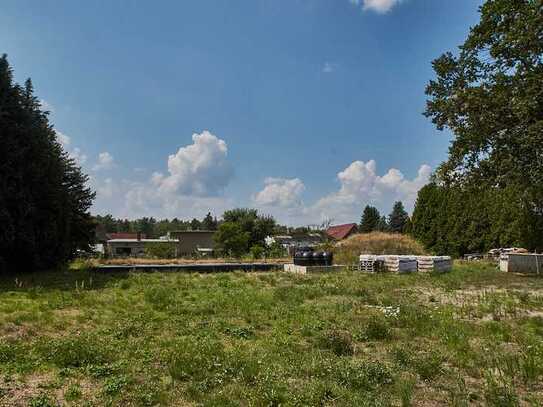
column 339, row 232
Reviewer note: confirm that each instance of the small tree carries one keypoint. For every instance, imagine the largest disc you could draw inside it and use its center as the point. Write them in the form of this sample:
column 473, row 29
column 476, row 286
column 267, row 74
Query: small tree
column 383, row 226
column 397, row 220
column 231, row 239
column 209, row 223
column 370, row 219
column 195, row 224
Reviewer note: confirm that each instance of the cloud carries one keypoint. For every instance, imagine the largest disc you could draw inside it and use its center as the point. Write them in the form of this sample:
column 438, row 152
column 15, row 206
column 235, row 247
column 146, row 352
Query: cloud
column 106, row 189
column 379, row 6
column 280, row 192
column 78, row 156
column 63, row 139
column 361, row 185
column 197, row 176
column 46, row 106
column 328, row 67
column 199, row 169
column 105, row 162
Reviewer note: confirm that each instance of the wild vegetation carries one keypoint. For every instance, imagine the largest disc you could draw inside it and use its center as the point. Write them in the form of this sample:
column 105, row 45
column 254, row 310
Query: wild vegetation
column 473, row 336
column 488, row 192
column 44, row 199
column 348, row 251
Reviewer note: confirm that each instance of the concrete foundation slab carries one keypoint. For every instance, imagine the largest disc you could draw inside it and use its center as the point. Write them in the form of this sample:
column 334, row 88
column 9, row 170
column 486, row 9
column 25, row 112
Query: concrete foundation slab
column 293, row 268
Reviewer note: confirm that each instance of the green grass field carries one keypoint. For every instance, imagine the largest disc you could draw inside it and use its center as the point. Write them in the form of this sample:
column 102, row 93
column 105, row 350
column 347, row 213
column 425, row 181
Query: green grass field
column 470, row 337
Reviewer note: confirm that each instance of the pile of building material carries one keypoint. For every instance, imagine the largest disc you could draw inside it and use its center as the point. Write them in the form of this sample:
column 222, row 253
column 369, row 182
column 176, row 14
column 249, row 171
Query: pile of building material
column 440, row 264
column 370, row 263
column 522, row 263
column 401, row 264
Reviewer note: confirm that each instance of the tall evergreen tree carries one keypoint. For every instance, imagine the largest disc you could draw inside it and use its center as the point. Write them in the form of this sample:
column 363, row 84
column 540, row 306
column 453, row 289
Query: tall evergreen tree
column 370, row 219
column 209, row 223
column 44, row 200
column 383, row 226
column 397, row 220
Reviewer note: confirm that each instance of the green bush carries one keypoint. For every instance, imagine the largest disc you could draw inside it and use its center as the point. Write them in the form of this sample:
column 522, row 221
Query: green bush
column 377, row 329
column 159, row 297
column 339, row 342
column 77, row 351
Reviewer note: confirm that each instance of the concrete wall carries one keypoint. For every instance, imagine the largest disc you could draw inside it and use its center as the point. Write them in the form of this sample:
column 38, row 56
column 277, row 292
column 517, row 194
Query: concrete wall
column 122, row 249
column 522, row 263
column 189, row 241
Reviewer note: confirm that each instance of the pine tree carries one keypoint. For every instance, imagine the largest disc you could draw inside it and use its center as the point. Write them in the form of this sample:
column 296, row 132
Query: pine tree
column 370, row 219
column 398, row 218
column 44, row 200
column 209, row 223
column 383, row 226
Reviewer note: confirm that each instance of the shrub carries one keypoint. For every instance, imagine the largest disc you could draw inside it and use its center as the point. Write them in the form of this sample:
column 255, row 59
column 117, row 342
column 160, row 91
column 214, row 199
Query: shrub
column 257, row 252
column 429, row 366
column 377, row 329
column 339, row 342
column 366, row 375
column 349, row 250
column 78, row 351
column 159, row 297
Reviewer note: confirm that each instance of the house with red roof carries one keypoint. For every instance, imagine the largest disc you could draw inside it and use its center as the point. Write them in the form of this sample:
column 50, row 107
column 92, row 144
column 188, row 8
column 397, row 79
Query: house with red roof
column 340, row 232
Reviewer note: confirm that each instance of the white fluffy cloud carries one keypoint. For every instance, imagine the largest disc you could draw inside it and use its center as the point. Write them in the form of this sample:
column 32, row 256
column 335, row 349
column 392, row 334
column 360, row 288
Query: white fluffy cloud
column 199, row 169
column 380, row 6
column 197, row 174
column 46, row 106
column 360, row 185
column 79, row 157
column 63, row 139
column 105, row 162
column 280, row 192
column 76, row 154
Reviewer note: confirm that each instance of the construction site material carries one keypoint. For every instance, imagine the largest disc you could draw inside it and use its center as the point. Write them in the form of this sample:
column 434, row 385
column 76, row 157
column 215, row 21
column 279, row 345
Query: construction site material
column 522, row 263
column 294, row 268
column 401, row 264
column 440, row 264
column 371, row 264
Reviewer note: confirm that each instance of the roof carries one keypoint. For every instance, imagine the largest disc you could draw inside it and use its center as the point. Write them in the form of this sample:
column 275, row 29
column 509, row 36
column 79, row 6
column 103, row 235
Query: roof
column 124, row 235
column 339, row 232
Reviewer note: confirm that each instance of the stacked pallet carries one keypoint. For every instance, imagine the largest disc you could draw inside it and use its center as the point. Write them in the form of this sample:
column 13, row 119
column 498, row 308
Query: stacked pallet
column 400, row 264
column 371, row 264
column 440, row 264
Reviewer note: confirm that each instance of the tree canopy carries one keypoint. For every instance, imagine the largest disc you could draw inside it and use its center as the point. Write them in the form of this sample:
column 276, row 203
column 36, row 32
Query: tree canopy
column 371, row 219
column 398, row 218
column 490, row 96
column 44, row 200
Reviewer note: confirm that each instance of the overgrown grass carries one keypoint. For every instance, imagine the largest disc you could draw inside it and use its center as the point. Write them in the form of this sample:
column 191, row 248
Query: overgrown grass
column 347, row 251
column 473, row 336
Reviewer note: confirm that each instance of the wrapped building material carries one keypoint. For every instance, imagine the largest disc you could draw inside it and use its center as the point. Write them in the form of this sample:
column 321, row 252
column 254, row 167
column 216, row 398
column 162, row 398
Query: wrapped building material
column 400, row 264
column 371, row 264
column 439, row 264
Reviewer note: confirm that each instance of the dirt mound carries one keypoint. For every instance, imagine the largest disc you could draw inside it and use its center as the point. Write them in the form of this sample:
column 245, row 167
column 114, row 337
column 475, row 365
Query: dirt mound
column 347, row 251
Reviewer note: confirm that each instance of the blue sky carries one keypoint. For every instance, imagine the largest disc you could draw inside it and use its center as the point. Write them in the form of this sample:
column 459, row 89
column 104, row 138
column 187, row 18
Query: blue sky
column 305, row 109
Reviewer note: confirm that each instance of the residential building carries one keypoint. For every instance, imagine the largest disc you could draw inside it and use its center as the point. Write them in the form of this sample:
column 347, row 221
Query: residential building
column 340, row 232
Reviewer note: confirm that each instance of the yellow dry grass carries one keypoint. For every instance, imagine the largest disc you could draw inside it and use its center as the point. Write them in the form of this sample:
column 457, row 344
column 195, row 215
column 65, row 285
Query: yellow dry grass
column 347, row 251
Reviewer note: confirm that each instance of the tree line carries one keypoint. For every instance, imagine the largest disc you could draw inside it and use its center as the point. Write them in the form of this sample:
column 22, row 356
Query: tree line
column 489, row 191
column 44, row 200
column 397, row 222
column 151, row 227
